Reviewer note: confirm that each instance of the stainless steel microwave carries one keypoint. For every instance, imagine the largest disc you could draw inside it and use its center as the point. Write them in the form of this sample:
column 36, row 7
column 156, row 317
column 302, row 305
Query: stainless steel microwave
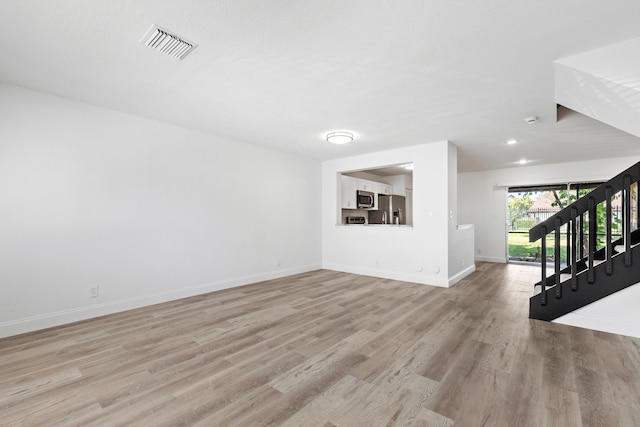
column 365, row 199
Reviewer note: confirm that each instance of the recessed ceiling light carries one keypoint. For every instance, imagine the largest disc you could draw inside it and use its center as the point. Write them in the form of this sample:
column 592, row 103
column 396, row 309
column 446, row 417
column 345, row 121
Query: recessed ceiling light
column 531, row 120
column 339, row 137
column 512, row 142
column 523, row 161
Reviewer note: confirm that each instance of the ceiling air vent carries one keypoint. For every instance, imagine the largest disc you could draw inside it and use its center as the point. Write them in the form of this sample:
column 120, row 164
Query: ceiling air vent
column 167, row 42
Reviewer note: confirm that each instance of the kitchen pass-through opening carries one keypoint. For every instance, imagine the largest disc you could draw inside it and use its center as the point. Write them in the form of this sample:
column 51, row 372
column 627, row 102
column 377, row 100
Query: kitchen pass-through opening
column 376, row 196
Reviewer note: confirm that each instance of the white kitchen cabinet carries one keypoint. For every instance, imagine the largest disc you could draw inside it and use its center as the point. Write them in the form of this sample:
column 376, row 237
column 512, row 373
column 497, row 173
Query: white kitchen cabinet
column 350, row 185
column 348, row 190
column 400, row 183
column 363, row 184
column 384, row 189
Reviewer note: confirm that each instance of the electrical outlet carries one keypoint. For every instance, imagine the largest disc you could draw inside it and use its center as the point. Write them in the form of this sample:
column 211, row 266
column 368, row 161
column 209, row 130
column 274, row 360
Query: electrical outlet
column 93, row 291
column 278, row 263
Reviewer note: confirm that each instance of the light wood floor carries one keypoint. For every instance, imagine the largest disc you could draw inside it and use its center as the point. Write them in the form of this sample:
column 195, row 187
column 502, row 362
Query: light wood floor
column 326, row 349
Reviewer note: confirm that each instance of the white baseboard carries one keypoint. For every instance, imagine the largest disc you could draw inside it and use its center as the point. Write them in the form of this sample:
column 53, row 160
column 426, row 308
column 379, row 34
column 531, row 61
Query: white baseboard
column 48, row 320
column 389, row 274
column 405, row 277
column 464, row 273
column 501, row 260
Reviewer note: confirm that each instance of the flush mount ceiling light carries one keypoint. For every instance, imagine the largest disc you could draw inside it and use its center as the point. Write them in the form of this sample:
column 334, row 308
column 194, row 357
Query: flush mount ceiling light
column 512, row 142
column 339, row 137
column 523, row 161
column 167, row 42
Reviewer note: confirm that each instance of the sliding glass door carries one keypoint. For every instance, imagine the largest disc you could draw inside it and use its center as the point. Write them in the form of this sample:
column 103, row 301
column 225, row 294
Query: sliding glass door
column 527, row 206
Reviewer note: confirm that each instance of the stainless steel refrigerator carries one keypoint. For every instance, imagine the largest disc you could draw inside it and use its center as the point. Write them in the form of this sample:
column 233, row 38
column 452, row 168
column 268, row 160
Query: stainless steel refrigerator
column 391, row 210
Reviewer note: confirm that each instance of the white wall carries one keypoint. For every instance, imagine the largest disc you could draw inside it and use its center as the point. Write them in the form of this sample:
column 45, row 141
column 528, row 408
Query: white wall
column 461, row 244
column 147, row 211
column 419, row 253
column 482, row 201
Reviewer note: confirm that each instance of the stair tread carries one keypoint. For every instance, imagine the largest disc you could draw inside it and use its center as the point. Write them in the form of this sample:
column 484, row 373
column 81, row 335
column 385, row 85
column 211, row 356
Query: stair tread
column 621, row 248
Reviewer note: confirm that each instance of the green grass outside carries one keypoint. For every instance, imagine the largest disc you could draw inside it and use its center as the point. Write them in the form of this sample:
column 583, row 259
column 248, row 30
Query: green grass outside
column 525, row 224
column 520, row 247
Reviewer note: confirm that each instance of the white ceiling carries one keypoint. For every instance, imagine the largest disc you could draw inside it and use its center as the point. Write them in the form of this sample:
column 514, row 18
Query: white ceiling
column 283, row 73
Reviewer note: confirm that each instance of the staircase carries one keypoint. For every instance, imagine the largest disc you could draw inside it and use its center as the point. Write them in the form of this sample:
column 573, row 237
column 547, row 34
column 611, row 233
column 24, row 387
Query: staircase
column 590, row 272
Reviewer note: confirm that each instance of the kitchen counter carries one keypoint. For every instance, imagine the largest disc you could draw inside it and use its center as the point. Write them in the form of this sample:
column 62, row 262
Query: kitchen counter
column 376, row 225
column 388, row 225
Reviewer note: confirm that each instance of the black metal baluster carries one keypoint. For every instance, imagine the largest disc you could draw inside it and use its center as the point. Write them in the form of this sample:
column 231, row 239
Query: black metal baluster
column 556, row 257
column 543, row 283
column 582, row 236
column 626, row 214
column 570, row 250
column 579, row 248
column 593, row 230
column 574, row 261
column 637, row 205
column 608, row 191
